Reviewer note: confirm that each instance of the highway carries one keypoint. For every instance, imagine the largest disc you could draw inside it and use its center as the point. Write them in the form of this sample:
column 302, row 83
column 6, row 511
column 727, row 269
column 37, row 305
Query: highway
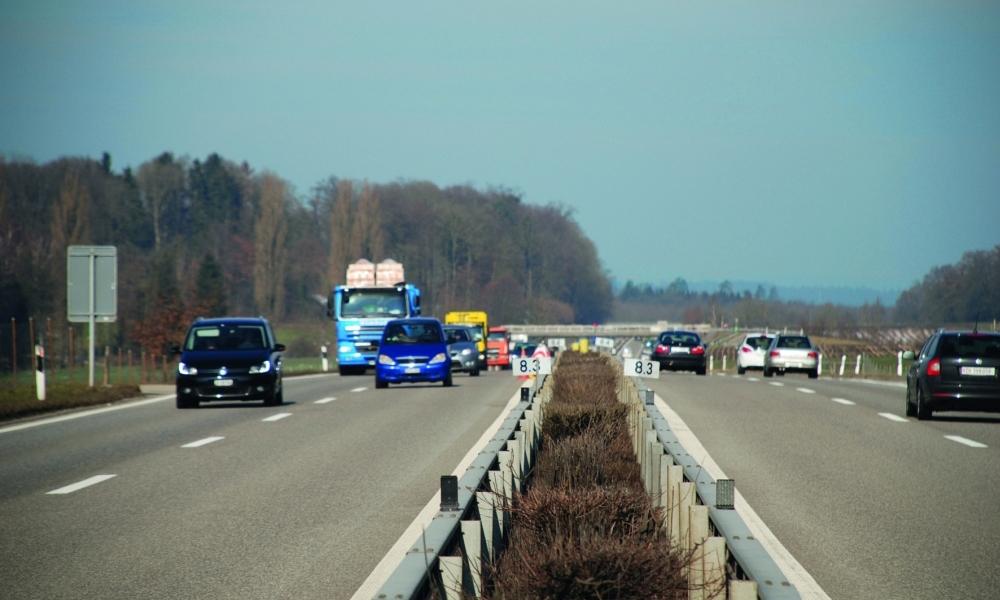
column 871, row 503
column 234, row 500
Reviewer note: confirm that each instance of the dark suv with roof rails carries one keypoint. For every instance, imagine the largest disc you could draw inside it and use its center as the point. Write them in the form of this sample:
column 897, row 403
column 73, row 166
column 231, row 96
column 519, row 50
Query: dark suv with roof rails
column 677, row 350
column 229, row 358
column 954, row 370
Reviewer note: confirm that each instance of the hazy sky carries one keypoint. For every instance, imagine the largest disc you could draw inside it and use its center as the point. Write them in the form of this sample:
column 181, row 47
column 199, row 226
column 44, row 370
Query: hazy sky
column 832, row 143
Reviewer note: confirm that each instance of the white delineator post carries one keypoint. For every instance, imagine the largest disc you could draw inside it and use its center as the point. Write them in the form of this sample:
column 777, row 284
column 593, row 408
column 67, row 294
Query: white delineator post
column 723, row 362
column 819, row 364
column 40, row 371
column 711, row 363
column 326, row 362
column 899, row 364
column 857, row 366
column 843, row 363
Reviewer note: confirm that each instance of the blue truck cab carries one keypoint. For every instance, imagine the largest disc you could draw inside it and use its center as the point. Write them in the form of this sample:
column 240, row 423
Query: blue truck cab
column 361, row 313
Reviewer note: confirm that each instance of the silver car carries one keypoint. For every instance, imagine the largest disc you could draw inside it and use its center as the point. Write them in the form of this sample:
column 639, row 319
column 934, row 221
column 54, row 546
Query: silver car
column 463, row 350
column 789, row 352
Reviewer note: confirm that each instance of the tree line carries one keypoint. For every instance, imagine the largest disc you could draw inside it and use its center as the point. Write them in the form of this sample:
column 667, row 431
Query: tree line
column 958, row 294
column 211, row 236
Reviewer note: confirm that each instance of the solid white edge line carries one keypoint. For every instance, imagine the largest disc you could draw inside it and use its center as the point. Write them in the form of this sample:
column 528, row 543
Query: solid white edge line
column 69, row 489
column 893, row 417
column 795, row 573
column 385, row 567
column 843, row 401
column 325, row 400
column 805, row 390
column 86, row 413
column 359, row 389
column 276, row 417
column 204, row 442
column 966, row 441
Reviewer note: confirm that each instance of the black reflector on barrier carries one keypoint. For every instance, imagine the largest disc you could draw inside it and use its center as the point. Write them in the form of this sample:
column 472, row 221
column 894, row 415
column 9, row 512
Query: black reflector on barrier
column 449, row 492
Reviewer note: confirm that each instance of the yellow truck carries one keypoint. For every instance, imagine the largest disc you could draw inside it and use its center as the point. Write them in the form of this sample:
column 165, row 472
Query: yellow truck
column 476, row 319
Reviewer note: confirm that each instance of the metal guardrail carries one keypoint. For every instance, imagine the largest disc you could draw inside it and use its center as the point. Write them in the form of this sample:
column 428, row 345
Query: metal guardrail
column 749, row 556
column 420, row 569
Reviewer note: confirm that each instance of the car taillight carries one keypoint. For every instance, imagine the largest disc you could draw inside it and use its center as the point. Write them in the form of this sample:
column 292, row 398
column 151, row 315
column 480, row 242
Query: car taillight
column 746, row 349
column 934, row 368
column 661, row 348
column 813, row 355
column 775, row 354
column 699, row 350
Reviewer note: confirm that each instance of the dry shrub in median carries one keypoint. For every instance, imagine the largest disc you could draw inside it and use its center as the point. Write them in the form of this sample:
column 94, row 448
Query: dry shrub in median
column 587, row 460
column 545, row 515
column 595, row 567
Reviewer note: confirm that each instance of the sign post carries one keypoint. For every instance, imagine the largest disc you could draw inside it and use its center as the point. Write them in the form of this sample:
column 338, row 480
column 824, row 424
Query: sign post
column 91, row 290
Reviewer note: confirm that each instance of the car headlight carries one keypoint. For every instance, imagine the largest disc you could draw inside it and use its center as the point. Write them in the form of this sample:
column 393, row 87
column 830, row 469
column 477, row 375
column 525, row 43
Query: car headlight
column 261, row 368
column 438, row 358
column 385, row 360
column 346, row 348
column 466, row 352
column 185, row 369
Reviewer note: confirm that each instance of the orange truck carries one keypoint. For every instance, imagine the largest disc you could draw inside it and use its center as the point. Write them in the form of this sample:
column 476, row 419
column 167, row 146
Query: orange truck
column 498, row 347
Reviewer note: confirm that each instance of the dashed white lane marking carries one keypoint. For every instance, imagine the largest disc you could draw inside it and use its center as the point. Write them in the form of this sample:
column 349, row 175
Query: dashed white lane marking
column 893, row 417
column 204, row 442
column 842, row 401
column 276, row 417
column 752, row 379
column 776, row 384
column 806, row 390
column 966, row 441
column 324, row 400
column 359, row 389
column 69, row 489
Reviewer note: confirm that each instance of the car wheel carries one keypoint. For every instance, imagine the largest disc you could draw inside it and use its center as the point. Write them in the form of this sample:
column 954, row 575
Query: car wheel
column 273, row 399
column 187, row 402
column 474, row 372
column 740, row 370
column 923, row 411
column 780, row 373
column 381, row 384
column 701, row 371
column 813, row 374
column 911, row 411
column 767, row 372
column 447, row 380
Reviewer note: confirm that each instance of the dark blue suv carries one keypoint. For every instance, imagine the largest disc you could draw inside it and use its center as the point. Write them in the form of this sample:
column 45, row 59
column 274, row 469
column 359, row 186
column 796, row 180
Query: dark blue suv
column 413, row 350
column 231, row 358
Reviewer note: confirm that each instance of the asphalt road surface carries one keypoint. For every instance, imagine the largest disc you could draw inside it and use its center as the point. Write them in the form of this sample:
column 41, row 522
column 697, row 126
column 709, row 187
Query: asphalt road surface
column 233, row 500
column 871, row 503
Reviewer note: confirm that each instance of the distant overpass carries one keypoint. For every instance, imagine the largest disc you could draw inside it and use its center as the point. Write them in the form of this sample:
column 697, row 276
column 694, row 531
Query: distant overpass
column 605, row 329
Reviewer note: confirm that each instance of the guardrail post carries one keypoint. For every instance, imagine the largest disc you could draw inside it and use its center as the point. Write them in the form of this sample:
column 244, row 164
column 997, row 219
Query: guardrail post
column 472, row 550
column 649, row 441
column 685, row 500
column 675, row 475
column 742, row 589
column 506, row 459
column 655, row 470
column 450, row 568
column 714, row 558
column 489, row 520
column 697, row 533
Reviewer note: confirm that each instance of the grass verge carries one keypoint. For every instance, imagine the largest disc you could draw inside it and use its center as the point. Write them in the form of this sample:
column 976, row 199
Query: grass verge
column 21, row 401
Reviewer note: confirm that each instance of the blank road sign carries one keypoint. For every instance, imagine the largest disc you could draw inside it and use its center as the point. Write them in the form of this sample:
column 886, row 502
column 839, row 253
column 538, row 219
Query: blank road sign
column 79, row 260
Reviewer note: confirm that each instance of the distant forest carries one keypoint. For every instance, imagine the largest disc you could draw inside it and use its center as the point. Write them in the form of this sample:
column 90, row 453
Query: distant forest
column 948, row 295
column 210, row 237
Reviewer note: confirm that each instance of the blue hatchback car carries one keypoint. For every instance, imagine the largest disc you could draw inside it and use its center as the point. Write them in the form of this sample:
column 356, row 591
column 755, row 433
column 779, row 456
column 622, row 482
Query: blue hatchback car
column 413, row 350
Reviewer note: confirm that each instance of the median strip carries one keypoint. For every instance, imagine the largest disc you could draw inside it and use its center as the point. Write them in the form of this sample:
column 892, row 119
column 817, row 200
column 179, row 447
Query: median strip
column 69, row 489
column 276, row 417
column 204, row 442
column 965, row 441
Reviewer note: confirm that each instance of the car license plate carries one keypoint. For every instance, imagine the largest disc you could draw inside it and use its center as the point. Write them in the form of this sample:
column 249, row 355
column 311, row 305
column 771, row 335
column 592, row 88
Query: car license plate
column 223, row 382
column 795, row 365
column 679, row 350
column 412, row 371
column 979, row 371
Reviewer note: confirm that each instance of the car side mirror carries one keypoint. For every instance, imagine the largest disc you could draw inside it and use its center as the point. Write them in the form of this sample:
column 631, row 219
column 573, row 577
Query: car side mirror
column 909, row 355
column 279, row 347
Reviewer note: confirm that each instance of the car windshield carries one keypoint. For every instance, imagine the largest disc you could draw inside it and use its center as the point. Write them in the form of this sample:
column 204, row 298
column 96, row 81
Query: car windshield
column 226, row 337
column 412, row 333
column 758, row 343
column 477, row 334
column 680, row 339
column 372, row 303
column 496, row 337
column 970, row 346
column 456, row 334
column 796, row 341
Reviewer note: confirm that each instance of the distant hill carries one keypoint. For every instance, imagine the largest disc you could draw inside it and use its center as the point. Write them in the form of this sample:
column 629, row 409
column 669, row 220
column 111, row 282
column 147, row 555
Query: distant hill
column 843, row 295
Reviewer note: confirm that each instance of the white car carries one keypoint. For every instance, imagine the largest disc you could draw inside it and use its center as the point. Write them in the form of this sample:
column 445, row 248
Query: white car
column 753, row 350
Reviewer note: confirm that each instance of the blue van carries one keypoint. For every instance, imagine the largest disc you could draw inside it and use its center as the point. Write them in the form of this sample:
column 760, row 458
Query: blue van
column 412, row 350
